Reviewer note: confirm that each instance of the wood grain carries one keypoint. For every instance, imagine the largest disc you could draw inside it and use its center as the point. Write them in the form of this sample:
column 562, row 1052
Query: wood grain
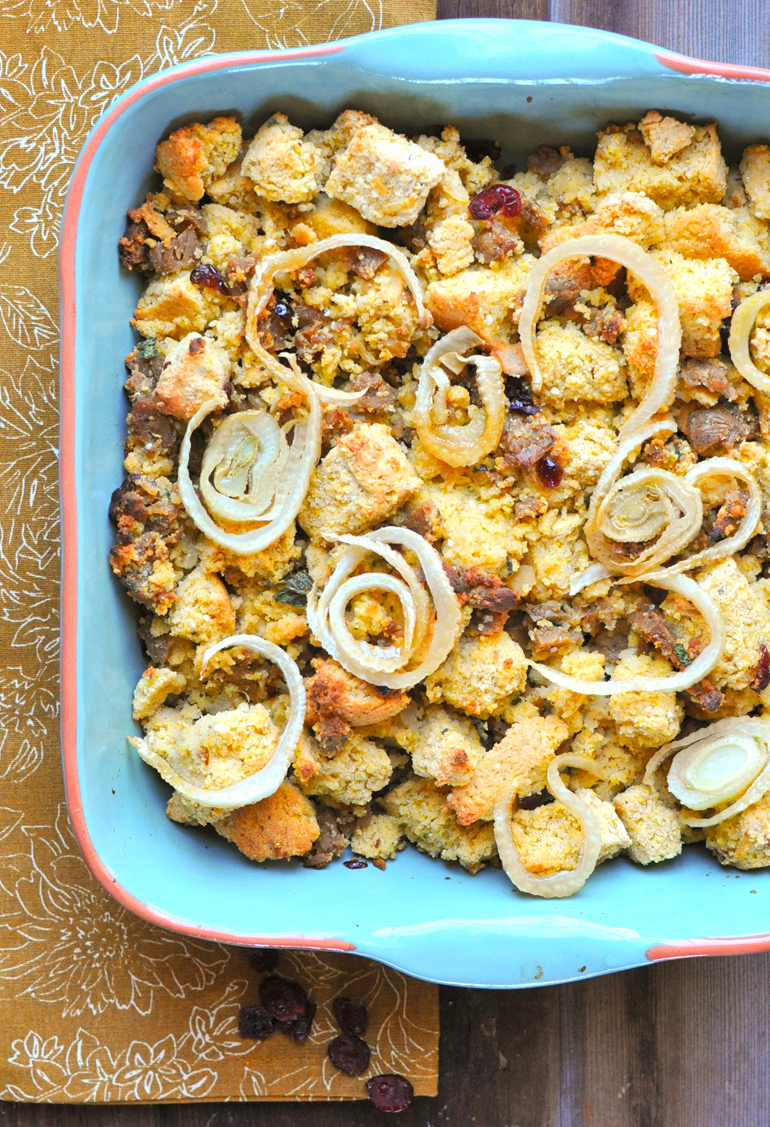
column 676, row 1045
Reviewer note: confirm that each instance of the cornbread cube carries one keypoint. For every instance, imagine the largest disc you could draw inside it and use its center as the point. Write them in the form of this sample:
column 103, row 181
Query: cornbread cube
column 630, row 214
column 704, row 290
column 549, row 838
column 333, row 217
column 746, row 618
column 196, row 155
column 486, row 299
column 652, row 826
column 557, row 552
column 153, row 688
column 577, row 367
column 450, row 241
column 433, row 828
column 694, row 174
column 477, row 533
column 283, row 167
column 640, row 346
column 233, row 189
column 518, row 763
column 755, row 173
column 202, row 611
column 358, row 770
column 196, row 370
column 359, row 483
column 481, row 674
column 224, row 747
column 645, row 719
column 712, row 231
column 665, row 136
column 619, row 766
column 281, row 826
column 268, row 566
column 383, row 176
column 333, row 690
column 229, row 232
column 378, row 836
column 444, row 746
column 744, row 840
column 329, row 141
column 173, row 306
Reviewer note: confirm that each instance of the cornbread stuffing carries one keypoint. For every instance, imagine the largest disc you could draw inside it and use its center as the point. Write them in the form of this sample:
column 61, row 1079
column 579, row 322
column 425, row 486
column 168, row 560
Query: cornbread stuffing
column 389, row 499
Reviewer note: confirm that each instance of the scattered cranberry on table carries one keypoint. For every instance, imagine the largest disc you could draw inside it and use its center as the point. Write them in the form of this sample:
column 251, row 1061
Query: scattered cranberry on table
column 349, row 1054
column 350, row 1016
column 255, row 1023
column 283, row 1000
column 390, row 1093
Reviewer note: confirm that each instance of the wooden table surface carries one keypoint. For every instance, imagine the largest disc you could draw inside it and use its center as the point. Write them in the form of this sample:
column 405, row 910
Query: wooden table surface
column 676, row 1045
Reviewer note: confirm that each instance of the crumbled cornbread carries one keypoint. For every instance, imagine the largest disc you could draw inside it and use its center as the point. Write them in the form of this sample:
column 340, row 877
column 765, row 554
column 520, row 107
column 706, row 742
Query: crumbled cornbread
column 378, row 836
column 652, row 826
column 481, row 675
column 429, row 823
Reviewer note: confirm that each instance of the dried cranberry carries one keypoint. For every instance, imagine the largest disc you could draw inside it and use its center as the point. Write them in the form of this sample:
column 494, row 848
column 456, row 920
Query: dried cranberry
column 500, row 199
column 284, row 1001
column 349, row 1054
column 549, row 471
column 299, row 1030
column 350, row 1016
column 532, row 801
column 355, row 864
column 762, row 675
column 210, row 278
column 264, row 959
column 255, row 1023
column 519, row 395
column 390, row 1093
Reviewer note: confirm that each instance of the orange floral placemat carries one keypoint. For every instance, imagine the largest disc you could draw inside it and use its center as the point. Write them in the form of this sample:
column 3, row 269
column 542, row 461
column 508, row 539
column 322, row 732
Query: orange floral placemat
column 98, row 1005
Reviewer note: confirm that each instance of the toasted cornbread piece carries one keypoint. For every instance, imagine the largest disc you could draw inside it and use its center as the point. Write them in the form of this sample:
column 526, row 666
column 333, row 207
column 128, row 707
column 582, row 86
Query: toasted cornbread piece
column 173, row 306
column 557, row 552
column 630, row 214
column 665, row 136
column 283, row 167
column 449, row 232
column 481, row 675
column 712, row 231
column 359, row 483
column 233, row 189
column 640, row 346
column 327, row 142
column 225, row 747
column 268, row 566
column 744, row 840
column 432, row 826
column 549, row 838
column 280, row 826
column 153, row 688
column 351, row 776
column 333, row 690
column 384, row 176
column 196, row 155
column 652, row 826
column 378, row 836
column 694, row 174
column 518, row 763
column 202, row 611
column 645, row 719
column 477, row 533
column 333, row 217
column 704, row 290
column 487, row 300
column 261, row 613
column 229, row 233
column 576, row 367
column 196, row 370
column 444, row 746
column 755, row 173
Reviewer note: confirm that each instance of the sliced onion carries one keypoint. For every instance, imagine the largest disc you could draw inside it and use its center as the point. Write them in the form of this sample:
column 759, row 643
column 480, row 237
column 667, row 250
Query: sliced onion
column 742, row 323
column 459, row 445
column 267, row 780
column 247, row 457
column 388, row 666
column 727, row 467
column 628, row 254
column 594, row 573
column 728, row 759
column 675, row 682
column 288, row 491
column 569, row 880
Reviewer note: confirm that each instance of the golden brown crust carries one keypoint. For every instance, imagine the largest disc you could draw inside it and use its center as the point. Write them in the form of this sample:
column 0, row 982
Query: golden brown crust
column 281, row 826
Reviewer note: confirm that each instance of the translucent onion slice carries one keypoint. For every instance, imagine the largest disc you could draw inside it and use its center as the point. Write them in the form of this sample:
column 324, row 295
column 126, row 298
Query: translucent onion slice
column 742, row 323
column 267, row 780
column 459, row 445
column 247, row 457
column 725, row 467
column 628, row 254
column 288, row 492
column 729, row 759
column 594, row 573
column 388, row 666
column 649, row 504
column 569, row 880
column 696, row 671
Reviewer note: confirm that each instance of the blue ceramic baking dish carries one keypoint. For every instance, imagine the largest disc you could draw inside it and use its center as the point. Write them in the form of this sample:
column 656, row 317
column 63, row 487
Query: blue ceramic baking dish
column 525, row 84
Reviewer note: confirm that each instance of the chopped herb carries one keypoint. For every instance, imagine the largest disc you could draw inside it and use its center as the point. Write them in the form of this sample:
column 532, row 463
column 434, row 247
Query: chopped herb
column 682, row 654
column 147, row 349
column 295, row 589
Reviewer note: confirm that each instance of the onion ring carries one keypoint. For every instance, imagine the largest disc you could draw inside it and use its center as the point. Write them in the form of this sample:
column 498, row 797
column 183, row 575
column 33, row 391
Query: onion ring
column 267, row 780
column 741, row 325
